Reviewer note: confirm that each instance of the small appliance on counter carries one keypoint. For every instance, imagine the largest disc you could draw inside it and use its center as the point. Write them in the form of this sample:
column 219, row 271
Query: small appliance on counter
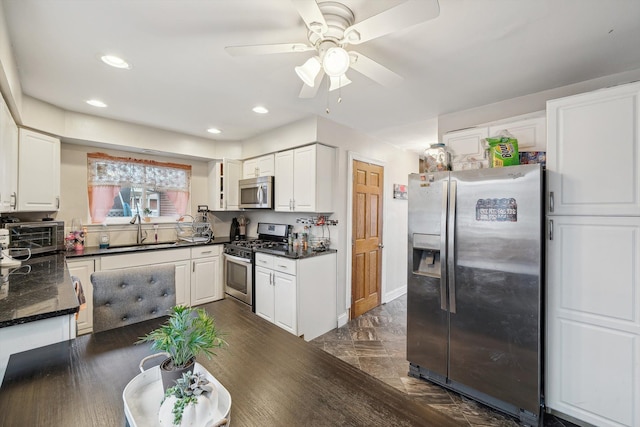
column 234, row 232
column 37, row 236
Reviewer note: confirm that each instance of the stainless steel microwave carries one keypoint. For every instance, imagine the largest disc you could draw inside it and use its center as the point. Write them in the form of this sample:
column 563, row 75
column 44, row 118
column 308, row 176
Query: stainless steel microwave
column 256, row 193
column 40, row 237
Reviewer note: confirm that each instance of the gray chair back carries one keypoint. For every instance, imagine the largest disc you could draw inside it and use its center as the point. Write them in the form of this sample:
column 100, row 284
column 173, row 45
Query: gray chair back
column 131, row 295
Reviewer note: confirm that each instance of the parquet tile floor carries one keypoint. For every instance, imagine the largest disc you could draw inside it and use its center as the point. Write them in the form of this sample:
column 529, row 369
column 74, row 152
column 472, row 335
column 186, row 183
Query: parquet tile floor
column 376, row 343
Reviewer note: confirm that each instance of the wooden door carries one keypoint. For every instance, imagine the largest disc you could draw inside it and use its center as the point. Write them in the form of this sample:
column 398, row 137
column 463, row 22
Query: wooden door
column 366, row 266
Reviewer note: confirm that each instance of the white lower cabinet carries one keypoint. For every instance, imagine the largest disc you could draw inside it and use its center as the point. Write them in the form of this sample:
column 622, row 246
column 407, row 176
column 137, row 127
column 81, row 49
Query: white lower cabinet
column 276, row 293
column 298, row 295
column 593, row 319
column 206, row 275
column 183, row 282
column 82, row 269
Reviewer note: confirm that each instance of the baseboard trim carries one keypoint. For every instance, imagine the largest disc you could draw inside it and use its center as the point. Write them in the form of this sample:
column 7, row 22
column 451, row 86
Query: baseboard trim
column 343, row 319
column 390, row 296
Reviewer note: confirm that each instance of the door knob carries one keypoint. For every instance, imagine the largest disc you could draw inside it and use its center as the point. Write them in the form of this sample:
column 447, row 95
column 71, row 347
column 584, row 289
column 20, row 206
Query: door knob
column 380, row 245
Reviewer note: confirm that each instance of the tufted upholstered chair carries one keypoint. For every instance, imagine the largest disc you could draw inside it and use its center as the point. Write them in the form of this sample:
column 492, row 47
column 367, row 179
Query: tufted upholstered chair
column 131, row 295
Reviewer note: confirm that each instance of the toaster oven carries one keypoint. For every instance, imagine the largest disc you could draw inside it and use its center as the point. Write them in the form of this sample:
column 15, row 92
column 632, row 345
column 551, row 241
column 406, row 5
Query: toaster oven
column 40, row 237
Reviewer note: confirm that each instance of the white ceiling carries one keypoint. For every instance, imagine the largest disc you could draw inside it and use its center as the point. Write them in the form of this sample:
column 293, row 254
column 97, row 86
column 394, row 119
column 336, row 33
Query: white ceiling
column 475, row 53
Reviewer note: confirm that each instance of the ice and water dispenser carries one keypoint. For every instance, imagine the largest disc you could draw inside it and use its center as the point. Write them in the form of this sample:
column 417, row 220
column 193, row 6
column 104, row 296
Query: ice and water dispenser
column 426, row 254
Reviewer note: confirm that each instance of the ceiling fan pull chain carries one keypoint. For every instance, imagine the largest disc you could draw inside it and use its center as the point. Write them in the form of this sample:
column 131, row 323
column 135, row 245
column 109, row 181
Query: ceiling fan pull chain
column 328, row 95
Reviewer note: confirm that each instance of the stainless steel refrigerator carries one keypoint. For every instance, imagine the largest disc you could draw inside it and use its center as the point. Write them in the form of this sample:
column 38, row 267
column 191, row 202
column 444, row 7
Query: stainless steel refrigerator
column 474, row 302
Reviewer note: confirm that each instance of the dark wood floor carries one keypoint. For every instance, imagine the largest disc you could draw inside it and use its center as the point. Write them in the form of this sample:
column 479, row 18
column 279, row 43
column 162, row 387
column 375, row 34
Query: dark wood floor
column 274, row 379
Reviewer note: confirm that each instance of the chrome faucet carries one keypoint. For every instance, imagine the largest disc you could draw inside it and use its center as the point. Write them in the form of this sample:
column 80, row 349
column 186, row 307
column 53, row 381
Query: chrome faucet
column 139, row 237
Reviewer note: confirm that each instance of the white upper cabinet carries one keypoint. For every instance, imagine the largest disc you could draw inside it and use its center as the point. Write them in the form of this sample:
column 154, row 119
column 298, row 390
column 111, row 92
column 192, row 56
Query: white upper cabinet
column 223, row 184
column 260, row 166
column 283, row 192
column 304, row 179
column 8, row 160
column 466, row 143
column 530, row 133
column 594, row 153
column 38, row 172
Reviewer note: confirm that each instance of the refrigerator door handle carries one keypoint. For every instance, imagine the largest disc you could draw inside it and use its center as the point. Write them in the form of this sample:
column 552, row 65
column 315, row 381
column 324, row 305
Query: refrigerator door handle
column 451, row 232
column 443, row 246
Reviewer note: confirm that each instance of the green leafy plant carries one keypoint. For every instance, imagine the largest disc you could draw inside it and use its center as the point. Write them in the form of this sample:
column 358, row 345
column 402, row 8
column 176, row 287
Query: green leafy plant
column 187, row 333
column 147, row 211
column 186, row 392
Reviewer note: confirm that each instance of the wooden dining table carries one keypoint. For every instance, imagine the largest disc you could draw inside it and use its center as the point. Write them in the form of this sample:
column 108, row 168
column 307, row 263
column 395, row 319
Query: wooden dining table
column 274, row 378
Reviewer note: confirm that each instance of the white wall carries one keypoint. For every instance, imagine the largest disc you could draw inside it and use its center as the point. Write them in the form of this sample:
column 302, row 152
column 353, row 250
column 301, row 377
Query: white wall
column 9, row 82
column 526, row 104
column 90, row 130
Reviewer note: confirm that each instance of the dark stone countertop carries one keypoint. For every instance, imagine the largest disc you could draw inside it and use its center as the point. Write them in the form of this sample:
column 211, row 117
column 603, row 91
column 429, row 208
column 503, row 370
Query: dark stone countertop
column 94, row 251
column 39, row 289
column 296, row 254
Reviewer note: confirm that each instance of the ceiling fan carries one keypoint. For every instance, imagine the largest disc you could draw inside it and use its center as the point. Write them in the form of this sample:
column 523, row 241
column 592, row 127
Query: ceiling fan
column 331, row 27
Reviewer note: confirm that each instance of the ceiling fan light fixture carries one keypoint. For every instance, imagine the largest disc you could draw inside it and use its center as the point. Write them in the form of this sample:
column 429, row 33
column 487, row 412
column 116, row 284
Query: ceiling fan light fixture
column 309, row 70
column 335, row 62
column 338, row 82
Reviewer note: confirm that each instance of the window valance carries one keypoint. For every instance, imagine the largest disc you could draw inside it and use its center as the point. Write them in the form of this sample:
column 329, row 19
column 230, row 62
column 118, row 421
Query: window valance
column 127, row 172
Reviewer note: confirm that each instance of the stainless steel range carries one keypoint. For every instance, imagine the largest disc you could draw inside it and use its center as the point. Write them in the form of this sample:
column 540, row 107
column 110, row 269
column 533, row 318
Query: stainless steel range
column 239, row 256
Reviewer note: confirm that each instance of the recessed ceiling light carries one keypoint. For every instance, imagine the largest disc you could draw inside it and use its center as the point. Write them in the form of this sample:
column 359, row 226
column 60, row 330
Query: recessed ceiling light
column 214, row 131
column 260, row 109
column 115, row 61
column 96, row 103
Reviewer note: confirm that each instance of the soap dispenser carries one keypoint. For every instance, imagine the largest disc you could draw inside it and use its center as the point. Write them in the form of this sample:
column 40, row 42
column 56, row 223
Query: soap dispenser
column 104, row 237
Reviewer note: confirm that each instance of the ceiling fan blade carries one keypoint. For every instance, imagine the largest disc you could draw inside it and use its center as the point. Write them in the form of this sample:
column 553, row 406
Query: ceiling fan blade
column 265, row 49
column 373, row 70
column 404, row 15
column 311, row 15
column 310, row 92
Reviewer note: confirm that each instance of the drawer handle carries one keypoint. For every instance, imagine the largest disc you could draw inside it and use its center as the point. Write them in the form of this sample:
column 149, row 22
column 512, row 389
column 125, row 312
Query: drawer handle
column 205, row 252
column 282, row 266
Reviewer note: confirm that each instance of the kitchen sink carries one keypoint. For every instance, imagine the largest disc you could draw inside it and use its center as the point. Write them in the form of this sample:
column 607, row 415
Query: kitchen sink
column 144, row 246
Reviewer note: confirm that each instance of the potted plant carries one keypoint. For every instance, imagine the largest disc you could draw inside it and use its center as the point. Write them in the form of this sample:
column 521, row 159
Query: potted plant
column 147, row 213
column 191, row 402
column 187, row 333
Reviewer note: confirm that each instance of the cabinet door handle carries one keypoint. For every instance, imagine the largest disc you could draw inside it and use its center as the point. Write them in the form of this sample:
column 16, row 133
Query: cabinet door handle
column 205, row 252
column 14, row 196
column 57, row 202
column 550, row 229
column 282, row 266
column 550, row 201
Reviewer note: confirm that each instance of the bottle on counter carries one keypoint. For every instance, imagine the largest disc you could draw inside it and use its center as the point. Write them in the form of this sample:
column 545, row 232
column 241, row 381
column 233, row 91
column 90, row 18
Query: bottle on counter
column 104, row 237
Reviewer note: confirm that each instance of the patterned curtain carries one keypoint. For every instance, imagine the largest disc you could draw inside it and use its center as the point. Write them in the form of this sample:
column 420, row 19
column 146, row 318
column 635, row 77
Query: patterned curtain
column 107, row 174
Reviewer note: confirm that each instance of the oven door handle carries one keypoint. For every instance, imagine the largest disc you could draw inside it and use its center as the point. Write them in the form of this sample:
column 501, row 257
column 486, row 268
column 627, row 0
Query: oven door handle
column 237, row 258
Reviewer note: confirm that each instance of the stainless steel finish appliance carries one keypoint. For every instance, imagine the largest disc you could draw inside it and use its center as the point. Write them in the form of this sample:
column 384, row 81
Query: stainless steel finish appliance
column 39, row 237
column 238, row 276
column 475, row 287
column 256, row 193
column 239, row 259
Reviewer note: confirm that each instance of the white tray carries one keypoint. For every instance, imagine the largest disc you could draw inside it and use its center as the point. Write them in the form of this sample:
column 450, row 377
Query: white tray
column 143, row 395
